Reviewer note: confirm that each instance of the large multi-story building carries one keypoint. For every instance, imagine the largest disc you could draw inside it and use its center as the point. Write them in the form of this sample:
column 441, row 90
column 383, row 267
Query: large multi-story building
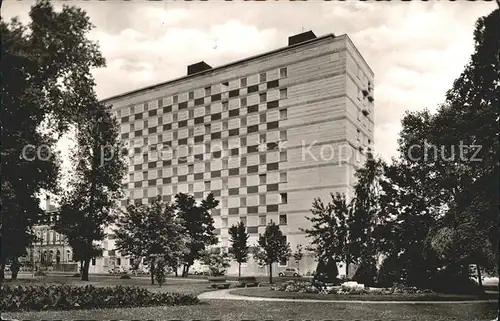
column 266, row 135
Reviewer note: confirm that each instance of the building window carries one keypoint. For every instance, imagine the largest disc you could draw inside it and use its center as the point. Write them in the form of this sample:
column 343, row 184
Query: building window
column 262, row 98
column 208, row 91
column 93, row 262
column 262, row 77
column 283, row 157
column 243, row 82
column 283, row 177
column 283, row 114
column 175, row 99
column 191, row 95
column 283, row 262
column 243, row 201
column 283, row 93
column 224, row 222
column 225, row 106
column 262, row 220
column 272, row 125
column 243, row 102
column 284, row 198
column 243, row 220
column 283, row 220
column 283, row 135
column 283, row 72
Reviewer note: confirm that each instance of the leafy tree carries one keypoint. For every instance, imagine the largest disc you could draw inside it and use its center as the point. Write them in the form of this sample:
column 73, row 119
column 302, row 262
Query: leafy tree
column 45, row 85
column 329, row 231
column 458, row 171
column 298, row 255
column 239, row 248
column 272, row 248
column 198, row 226
column 150, row 231
column 217, row 262
column 95, row 188
column 326, row 272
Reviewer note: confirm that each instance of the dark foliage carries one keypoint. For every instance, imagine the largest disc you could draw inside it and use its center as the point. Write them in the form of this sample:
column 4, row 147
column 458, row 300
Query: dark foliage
column 64, row 297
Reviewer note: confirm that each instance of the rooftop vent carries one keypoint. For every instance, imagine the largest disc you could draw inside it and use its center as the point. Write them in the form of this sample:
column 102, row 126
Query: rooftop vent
column 198, row 67
column 301, row 37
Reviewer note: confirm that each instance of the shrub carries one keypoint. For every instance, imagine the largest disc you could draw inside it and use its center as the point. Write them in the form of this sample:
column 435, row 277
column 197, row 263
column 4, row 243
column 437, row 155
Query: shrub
column 125, row 277
column 326, row 272
column 160, row 273
column 40, row 273
column 389, row 272
column 366, row 274
column 65, row 297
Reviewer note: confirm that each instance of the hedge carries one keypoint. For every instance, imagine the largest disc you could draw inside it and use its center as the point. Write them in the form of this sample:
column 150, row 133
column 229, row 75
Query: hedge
column 65, row 297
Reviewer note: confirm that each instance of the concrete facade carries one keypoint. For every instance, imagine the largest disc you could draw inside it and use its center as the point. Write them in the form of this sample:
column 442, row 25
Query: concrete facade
column 266, row 135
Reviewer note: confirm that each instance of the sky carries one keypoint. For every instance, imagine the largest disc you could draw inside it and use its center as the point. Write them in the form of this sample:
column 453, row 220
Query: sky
column 416, row 49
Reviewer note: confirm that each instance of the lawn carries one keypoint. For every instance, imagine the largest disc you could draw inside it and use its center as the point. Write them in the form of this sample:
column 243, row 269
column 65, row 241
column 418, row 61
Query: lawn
column 266, row 292
column 172, row 284
column 277, row 311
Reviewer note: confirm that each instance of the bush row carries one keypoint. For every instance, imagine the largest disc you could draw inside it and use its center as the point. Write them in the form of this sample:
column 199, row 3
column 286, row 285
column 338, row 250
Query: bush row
column 65, row 297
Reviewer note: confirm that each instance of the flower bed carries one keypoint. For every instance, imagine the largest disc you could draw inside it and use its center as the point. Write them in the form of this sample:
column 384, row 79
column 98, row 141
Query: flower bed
column 65, row 297
column 308, row 287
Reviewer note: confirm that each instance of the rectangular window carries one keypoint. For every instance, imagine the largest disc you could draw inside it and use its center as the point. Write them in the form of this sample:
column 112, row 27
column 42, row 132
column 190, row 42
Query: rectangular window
column 191, row 95
column 234, row 132
column 234, row 93
column 138, row 116
column 183, row 123
column 272, row 125
column 273, row 104
column 262, row 220
column 272, row 84
column 125, row 119
column 262, row 118
column 262, row 158
column 235, row 151
column 252, row 190
column 243, row 82
column 167, row 109
column 283, row 93
column 175, row 99
column 283, row 135
column 252, row 209
column 167, row 180
column 253, row 169
column 283, row 114
column 262, row 179
column 253, row 129
column 272, row 166
column 283, row 177
column 198, row 120
column 208, row 91
column 225, row 106
column 284, row 198
column 243, row 182
column 253, row 109
column 262, row 98
column 215, row 97
column 243, row 102
column 234, row 112
column 234, row 171
column 262, row 77
column 252, row 149
column 283, row 220
column 283, row 72
column 234, row 191
column 233, row 210
column 215, row 174
column 283, row 156
column 198, row 176
column 216, row 116
column 216, row 135
column 272, row 208
column 272, row 187
column 253, row 89
column 183, row 105
column 199, row 101
column 152, row 112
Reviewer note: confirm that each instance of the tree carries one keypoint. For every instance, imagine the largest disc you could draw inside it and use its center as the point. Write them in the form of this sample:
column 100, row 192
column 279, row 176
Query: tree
column 239, row 239
column 95, row 187
column 329, row 231
column 45, row 85
column 273, row 247
column 457, row 173
column 151, row 231
column 198, row 226
column 217, row 262
column 298, row 255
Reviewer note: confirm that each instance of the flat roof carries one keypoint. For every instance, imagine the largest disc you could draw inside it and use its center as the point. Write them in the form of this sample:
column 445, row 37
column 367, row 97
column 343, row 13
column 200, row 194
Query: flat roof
column 268, row 53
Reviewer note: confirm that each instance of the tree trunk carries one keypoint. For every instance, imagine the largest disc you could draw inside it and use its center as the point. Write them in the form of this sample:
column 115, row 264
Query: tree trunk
column 479, row 281
column 187, row 270
column 85, row 272
column 239, row 270
column 81, row 268
column 2, row 271
column 152, row 271
column 271, row 273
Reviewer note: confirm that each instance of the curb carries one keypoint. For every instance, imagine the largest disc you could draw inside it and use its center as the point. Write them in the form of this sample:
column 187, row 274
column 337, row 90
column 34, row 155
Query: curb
column 226, row 295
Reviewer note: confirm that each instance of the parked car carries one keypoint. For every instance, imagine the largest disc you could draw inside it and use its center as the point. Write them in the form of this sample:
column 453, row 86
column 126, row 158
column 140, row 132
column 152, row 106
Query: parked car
column 289, row 272
column 200, row 270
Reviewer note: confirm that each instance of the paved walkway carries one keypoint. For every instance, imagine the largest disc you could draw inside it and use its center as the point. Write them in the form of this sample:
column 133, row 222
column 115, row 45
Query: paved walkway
column 226, row 295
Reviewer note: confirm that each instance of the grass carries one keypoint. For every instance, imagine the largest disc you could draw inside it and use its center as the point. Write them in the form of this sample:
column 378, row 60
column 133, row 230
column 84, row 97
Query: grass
column 266, row 292
column 278, row 311
column 172, row 285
